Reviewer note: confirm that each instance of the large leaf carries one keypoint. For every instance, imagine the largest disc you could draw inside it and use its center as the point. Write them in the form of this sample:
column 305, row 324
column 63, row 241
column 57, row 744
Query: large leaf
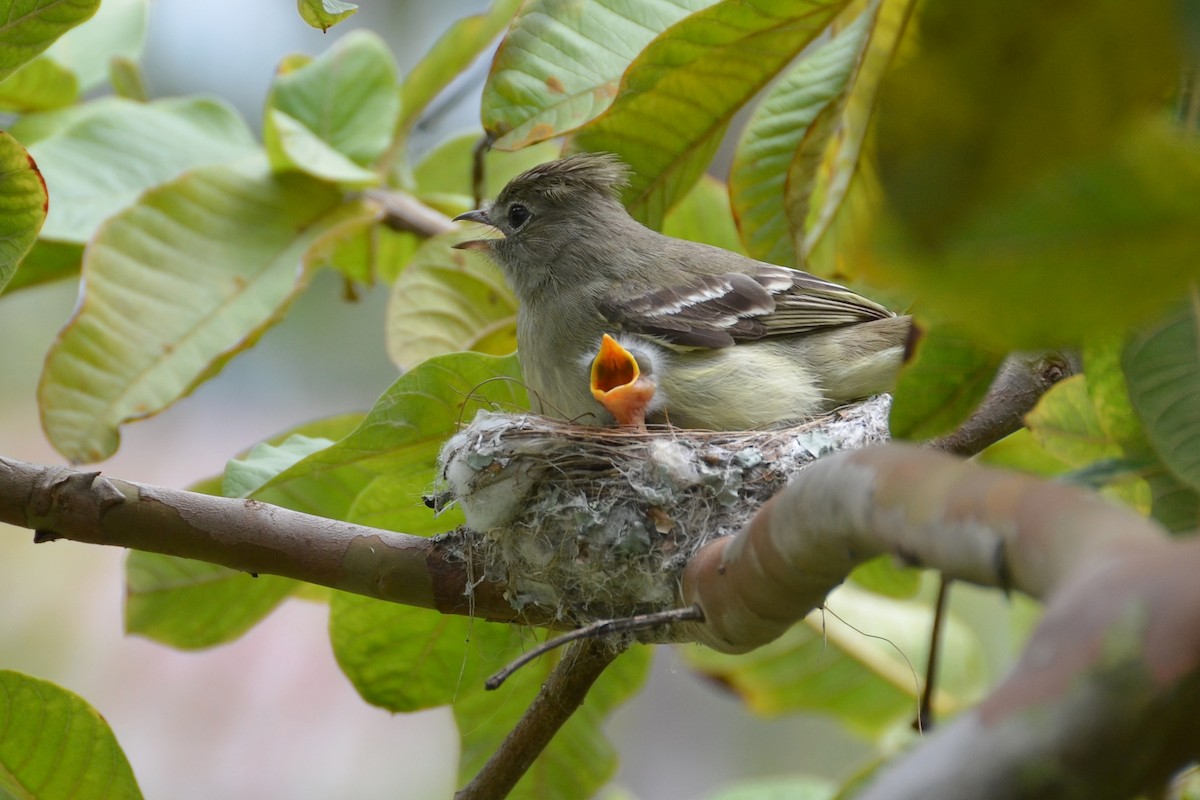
column 176, row 286
column 406, row 659
column 101, row 160
column 54, row 746
column 22, row 205
column 781, row 132
column 579, row 759
column 1163, row 369
column 30, row 26
column 118, row 31
column 448, row 300
column 396, row 446
column 450, row 55
column 191, row 604
column 45, row 262
column 559, row 65
column 680, row 93
column 842, row 201
column 40, row 85
column 1065, row 423
column 942, row 384
column 333, row 116
column 1114, row 232
column 868, row 678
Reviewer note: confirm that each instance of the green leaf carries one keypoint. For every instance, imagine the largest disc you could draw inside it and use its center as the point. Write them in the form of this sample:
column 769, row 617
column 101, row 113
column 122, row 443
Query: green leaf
column 244, row 476
column 560, row 63
column 1163, row 369
column 45, row 262
column 407, row 659
column 941, row 385
column 117, row 31
column 450, row 55
column 127, row 79
column 324, row 14
column 291, row 145
column 40, row 85
column 783, row 788
column 1064, row 422
column 177, row 285
column 394, row 450
column 448, row 300
column 703, row 215
column 680, row 93
column 1174, row 504
column 884, row 576
column 22, row 205
column 101, row 160
column 1022, row 451
column 781, row 133
column 54, row 746
column 31, row 26
column 1108, row 390
column 859, row 676
column 579, row 759
column 841, row 203
column 192, row 604
column 1000, row 95
column 1003, row 274
column 346, row 99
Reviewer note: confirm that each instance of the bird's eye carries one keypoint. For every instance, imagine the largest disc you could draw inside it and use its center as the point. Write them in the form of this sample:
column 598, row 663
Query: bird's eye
column 518, row 215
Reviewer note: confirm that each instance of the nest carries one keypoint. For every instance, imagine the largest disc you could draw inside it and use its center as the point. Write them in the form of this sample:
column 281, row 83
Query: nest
column 588, row 523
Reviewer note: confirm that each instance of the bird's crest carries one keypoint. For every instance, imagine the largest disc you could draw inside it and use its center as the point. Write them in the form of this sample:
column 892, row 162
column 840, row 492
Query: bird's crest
column 570, row 177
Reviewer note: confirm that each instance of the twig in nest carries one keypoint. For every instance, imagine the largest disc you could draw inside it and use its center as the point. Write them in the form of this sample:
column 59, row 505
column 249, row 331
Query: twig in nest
column 603, row 627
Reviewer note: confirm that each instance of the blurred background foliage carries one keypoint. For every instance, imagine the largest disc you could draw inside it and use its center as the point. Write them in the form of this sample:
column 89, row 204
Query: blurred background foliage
column 1017, row 176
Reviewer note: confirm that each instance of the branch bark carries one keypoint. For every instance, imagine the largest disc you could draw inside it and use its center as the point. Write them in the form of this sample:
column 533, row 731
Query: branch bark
column 1113, row 670
column 250, row 536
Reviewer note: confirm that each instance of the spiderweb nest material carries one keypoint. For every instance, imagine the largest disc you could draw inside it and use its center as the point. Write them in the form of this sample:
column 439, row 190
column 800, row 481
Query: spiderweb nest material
column 588, row 523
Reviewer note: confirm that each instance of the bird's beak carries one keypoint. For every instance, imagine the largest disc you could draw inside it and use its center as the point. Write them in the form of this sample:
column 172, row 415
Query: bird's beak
column 476, row 215
column 620, row 384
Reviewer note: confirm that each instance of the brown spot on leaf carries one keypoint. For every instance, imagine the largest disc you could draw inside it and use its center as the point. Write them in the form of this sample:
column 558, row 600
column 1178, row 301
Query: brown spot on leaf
column 605, row 91
column 539, row 133
column 555, row 85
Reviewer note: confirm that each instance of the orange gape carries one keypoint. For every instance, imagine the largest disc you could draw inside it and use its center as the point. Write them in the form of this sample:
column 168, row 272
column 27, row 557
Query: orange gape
column 618, row 384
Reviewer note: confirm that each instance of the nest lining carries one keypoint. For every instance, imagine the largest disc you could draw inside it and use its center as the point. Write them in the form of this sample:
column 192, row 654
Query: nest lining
column 595, row 523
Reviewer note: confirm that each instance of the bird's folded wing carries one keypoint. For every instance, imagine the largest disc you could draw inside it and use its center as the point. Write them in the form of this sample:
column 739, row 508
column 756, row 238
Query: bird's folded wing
column 712, row 311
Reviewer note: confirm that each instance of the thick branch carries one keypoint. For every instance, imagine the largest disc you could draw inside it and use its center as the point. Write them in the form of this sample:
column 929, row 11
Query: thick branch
column 247, row 535
column 562, row 693
column 1113, row 669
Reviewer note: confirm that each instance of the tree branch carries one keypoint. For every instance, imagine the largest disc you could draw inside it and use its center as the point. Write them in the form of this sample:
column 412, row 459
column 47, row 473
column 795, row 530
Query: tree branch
column 250, row 536
column 562, row 693
column 1113, row 668
column 403, row 212
column 1020, row 383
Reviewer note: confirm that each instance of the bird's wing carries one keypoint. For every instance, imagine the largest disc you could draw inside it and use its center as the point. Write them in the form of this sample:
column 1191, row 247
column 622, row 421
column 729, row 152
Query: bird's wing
column 711, row 311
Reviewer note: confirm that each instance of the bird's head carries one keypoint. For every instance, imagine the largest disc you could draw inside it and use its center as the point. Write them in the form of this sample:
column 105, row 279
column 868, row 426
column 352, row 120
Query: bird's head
column 550, row 211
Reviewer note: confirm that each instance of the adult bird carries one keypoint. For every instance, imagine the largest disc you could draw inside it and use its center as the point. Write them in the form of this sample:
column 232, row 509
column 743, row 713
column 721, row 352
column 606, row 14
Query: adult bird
column 732, row 343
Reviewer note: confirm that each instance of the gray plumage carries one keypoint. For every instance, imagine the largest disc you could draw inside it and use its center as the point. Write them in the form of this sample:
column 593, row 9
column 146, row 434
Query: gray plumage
column 736, row 343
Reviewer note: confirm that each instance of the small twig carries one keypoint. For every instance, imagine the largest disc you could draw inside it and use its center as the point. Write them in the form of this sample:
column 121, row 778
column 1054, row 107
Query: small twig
column 403, row 212
column 561, row 694
column 924, row 721
column 603, row 627
column 479, row 169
